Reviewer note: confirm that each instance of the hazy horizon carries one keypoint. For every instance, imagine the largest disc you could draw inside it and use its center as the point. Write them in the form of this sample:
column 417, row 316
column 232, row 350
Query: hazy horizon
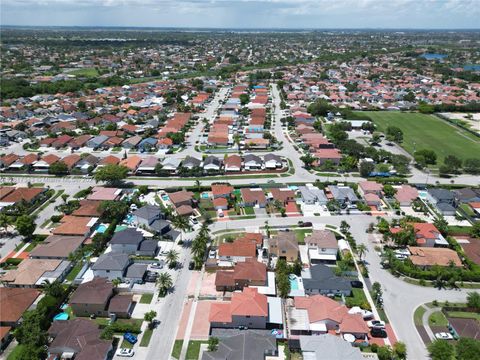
column 246, row 14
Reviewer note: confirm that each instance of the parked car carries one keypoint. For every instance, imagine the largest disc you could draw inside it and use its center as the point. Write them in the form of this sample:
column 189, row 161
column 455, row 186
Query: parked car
column 305, row 224
column 376, row 324
column 124, row 352
column 443, row 336
column 356, row 284
column 156, row 265
column 193, row 221
column 242, row 327
column 132, row 339
column 357, row 310
column 191, row 265
column 378, row 333
column 212, row 254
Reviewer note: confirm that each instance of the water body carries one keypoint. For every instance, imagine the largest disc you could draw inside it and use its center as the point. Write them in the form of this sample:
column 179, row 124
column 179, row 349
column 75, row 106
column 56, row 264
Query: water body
column 432, row 56
column 471, row 67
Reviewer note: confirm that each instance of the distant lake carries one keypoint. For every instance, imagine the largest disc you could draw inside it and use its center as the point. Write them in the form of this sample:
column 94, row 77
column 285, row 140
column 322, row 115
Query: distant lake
column 472, row 67
column 430, row 56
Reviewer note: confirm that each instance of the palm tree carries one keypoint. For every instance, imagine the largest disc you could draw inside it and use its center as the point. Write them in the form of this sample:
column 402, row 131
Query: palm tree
column 53, row 288
column 149, row 317
column 198, row 184
column 361, row 250
column 267, row 229
column 164, row 283
column 172, row 258
column 181, row 223
column 116, row 282
column 236, row 140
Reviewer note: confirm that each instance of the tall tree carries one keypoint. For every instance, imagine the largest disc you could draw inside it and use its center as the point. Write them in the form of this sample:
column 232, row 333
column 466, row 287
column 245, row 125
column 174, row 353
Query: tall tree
column 112, row 174
column 25, row 226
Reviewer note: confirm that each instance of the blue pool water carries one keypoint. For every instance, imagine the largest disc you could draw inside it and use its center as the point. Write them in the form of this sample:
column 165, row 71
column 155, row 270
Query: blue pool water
column 64, row 306
column 101, row 228
column 430, row 56
column 422, row 194
column 293, row 282
column 165, row 197
column 61, row 316
column 205, row 195
column 472, row 67
column 129, row 218
column 293, row 187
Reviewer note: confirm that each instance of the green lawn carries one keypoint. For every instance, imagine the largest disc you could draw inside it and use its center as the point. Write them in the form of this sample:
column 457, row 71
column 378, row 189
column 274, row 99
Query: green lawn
column 14, row 355
column 147, row 335
column 146, row 299
column 468, row 210
column 418, row 315
column 422, row 131
column 177, row 349
column 249, row 210
column 193, row 349
column 87, row 72
column 464, row 315
column 437, row 319
column 74, row 272
column 300, row 234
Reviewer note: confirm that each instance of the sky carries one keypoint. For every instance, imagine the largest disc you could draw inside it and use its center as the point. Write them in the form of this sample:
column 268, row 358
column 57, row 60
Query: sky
column 322, row 14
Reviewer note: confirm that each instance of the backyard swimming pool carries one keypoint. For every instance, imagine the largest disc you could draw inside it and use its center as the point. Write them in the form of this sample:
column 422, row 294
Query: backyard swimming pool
column 205, row 195
column 101, row 228
column 293, row 282
column 61, row 316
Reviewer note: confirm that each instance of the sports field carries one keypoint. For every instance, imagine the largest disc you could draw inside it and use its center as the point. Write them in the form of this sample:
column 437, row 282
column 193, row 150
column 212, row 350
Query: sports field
column 422, row 131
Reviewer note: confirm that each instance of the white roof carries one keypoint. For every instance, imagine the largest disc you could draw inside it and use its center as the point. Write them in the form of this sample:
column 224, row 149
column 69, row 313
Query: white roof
column 269, row 289
column 275, row 310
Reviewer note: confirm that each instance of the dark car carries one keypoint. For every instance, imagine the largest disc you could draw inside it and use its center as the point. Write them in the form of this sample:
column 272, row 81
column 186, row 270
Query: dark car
column 356, row 284
column 132, row 339
column 305, row 224
column 378, row 333
column 191, row 265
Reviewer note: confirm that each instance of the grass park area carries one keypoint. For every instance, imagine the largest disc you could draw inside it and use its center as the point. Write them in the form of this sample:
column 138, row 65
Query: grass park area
column 437, row 319
column 86, row 72
column 422, row 131
column 147, row 335
column 177, row 349
column 418, row 315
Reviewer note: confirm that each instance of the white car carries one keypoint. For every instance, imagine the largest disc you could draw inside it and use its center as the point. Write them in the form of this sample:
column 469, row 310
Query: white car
column 357, row 310
column 376, row 324
column 124, row 352
column 443, row 336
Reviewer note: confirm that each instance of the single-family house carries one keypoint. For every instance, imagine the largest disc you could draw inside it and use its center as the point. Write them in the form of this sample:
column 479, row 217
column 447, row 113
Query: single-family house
column 253, row 197
column 111, row 265
column 247, row 273
column 97, row 297
column 233, row 163
column 34, row 272
column 312, row 195
column 284, row 246
column 79, row 338
column 322, row 247
column 328, row 347
column 252, row 162
column 190, row 162
column 320, row 279
column 426, row 257
column 444, row 201
column 247, row 308
column 96, row 142
column 57, row 247
column 272, row 161
column 405, row 195
column 343, row 194
column 237, row 251
column 370, row 187
column 212, row 163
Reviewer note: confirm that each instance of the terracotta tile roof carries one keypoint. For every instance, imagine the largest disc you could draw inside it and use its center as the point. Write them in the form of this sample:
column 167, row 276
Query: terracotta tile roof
column 75, row 225
column 14, row 302
column 370, row 186
column 220, row 202
column 180, row 196
column 29, row 159
column 30, row 271
column 220, row 312
column 88, row 208
column 26, row 194
column 256, row 238
column 221, row 189
column 233, row 160
column 253, row 195
column 104, row 194
column 9, row 159
column 57, row 246
column 237, row 248
column 5, row 190
column 321, row 308
column 282, row 195
column 249, row 303
column 427, row 256
column 50, row 159
column 109, row 160
column 132, row 162
column 184, row 210
column 71, row 160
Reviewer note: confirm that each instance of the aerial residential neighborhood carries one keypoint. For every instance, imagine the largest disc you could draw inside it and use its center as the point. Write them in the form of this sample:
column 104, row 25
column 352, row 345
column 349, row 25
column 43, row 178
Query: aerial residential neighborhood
column 239, row 180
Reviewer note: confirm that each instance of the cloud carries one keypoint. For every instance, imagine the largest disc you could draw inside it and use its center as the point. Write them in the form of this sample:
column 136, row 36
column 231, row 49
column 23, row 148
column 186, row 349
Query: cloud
column 246, row 13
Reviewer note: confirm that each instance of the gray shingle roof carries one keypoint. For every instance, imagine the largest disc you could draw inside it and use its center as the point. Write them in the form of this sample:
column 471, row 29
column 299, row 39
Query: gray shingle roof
column 127, row 236
column 111, row 261
column 246, row 346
